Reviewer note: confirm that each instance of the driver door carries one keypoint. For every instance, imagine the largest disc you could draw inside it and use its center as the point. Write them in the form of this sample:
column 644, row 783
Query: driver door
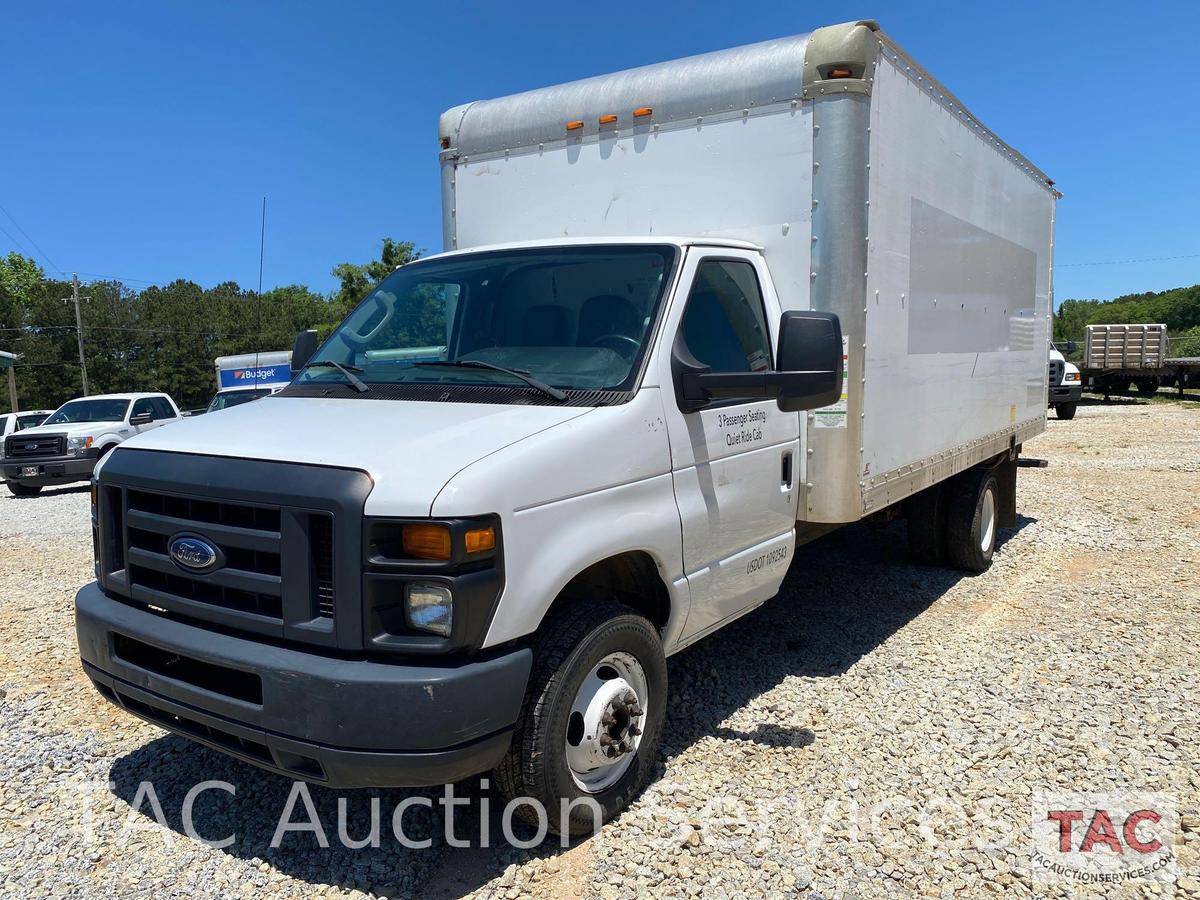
column 142, row 407
column 734, row 463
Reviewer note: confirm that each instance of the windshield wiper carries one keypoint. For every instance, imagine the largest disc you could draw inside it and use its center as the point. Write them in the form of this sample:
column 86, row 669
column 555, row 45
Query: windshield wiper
column 348, row 371
column 515, row 373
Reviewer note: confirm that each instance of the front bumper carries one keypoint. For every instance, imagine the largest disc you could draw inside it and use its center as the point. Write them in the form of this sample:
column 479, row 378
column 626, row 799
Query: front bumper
column 344, row 723
column 1066, row 394
column 50, row 469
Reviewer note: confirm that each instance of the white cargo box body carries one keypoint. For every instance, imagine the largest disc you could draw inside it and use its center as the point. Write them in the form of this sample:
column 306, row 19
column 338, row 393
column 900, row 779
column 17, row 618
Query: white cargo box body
column 1124, row 346
column 250, row 370
column 876, row 196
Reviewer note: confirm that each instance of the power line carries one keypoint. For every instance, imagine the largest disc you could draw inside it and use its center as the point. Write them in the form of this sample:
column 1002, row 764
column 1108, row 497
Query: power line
column 1121, row 262
column 40, row 251
column 15, row 241
column 40, row 328
column 121, row 278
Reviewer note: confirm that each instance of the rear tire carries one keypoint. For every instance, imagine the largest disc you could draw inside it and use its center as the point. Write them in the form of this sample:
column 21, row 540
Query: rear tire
column 570, row 649
column 23, row 490
column 1065, row 411
column 927, row 526
column 971, row 520
column 1147, row 387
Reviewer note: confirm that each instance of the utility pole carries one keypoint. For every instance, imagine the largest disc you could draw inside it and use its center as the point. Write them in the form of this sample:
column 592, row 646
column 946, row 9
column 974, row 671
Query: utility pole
column 79, row 330
column 9, row 361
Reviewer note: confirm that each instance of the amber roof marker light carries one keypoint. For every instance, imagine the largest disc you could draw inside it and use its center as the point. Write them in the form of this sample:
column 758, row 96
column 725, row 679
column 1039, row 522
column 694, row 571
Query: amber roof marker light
column 642, row 112
column 574, row 124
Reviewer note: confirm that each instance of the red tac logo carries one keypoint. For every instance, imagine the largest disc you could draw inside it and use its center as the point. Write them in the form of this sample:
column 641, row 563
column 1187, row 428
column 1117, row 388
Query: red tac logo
column 1102, row 831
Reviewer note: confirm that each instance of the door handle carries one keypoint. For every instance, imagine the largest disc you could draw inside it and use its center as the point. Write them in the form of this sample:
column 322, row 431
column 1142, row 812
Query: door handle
column 785, row 470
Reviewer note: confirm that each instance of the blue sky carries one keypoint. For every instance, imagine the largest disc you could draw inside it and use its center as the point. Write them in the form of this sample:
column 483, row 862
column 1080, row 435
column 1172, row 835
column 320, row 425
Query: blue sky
column 140, row 138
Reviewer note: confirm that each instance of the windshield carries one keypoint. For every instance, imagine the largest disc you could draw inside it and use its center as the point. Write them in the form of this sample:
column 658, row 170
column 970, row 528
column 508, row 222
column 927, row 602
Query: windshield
column 89, row 411
column 576, row 318
column 236, row 398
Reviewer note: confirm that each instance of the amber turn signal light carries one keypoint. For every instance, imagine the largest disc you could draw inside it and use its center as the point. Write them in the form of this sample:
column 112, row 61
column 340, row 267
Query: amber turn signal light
column 426, row 541
column 608, row 119
column 839, row 73
column 642, row 111
column 575, row 125
column 481, row 540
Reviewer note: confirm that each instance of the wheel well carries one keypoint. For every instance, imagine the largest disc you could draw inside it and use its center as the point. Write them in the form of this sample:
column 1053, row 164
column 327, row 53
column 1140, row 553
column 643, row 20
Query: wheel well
column 105, row 450
column 629, row 578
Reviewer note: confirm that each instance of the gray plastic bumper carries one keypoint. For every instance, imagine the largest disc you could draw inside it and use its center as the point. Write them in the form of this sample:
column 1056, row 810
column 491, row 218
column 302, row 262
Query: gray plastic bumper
column 342, row 723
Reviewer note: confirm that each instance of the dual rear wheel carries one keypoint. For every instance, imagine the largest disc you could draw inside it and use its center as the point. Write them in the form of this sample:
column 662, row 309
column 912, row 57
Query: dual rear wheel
column 954, row 523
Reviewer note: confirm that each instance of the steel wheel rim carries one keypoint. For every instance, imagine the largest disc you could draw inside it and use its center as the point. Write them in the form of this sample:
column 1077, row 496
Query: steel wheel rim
column 987, row 521
column 605, row 722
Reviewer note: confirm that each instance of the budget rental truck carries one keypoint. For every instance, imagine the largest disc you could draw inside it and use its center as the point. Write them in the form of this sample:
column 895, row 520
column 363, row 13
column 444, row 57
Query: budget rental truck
column 688, row 317
column 249, row 376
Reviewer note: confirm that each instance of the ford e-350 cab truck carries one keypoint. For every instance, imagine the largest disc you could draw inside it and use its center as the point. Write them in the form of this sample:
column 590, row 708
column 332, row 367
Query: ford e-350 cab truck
column 689, row 317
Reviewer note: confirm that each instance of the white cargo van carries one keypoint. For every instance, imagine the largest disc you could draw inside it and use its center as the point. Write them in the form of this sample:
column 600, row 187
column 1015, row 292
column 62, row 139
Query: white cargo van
column 690, row 316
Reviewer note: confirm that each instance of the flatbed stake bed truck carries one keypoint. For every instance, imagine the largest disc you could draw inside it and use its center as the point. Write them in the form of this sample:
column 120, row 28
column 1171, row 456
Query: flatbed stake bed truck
column 689, row 316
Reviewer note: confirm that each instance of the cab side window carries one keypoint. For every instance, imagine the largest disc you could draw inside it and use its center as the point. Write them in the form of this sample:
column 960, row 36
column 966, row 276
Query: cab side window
column 723, row 325
column 162, row 409
column 141, row 407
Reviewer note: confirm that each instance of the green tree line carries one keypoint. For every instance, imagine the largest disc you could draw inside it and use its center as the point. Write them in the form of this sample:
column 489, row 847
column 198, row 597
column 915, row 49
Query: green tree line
column 163, row 337
column 1178, row 309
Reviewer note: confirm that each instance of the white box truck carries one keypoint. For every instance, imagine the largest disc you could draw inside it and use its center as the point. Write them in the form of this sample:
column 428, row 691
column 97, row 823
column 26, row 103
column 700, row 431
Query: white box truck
column 690, row 316
column 244, row 377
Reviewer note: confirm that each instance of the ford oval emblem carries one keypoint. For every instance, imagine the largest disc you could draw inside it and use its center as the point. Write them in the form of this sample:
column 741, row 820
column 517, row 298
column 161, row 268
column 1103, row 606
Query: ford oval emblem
column 193, row 553
column 31, row 446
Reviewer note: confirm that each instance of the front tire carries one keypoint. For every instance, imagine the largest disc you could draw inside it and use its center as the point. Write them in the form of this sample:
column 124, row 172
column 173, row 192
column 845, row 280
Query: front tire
column 971, row 520
column 23, row 490
column 1065, row 411
column 592, row 719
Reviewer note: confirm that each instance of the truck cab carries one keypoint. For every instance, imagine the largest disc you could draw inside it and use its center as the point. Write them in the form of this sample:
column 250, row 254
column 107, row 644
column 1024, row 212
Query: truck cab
column 67, row 445
column 1064, row 386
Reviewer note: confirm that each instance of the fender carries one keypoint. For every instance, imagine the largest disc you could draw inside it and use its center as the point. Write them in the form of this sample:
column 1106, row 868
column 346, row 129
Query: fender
column 567, row 502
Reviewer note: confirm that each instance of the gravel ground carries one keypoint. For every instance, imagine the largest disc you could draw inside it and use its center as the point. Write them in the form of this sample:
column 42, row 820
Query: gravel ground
column 878, row 730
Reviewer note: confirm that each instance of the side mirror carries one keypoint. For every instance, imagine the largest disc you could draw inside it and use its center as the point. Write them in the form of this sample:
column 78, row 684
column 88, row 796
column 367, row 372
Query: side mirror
column 141, row 419
column 808, row 371
column 303, row 349
column 1072, row 346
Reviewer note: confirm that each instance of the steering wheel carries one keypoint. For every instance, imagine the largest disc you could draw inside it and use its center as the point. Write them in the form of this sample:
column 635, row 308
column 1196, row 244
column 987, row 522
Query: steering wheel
column 619, row 344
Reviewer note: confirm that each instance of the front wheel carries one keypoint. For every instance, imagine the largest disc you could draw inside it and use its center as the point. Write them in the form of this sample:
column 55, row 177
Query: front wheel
column 592, row 719
column 23, row 490
column 1065, row 411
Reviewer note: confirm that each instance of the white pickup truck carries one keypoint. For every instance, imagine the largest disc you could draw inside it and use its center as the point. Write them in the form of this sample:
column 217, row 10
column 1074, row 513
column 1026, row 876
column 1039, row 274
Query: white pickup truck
column 523, row 472
column 67, row 445
column 11, row 423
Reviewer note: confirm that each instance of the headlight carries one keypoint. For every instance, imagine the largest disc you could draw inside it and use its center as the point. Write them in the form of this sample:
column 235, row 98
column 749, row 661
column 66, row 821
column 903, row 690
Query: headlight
column 76, row 444
column 429, row 607
column 1071, row 376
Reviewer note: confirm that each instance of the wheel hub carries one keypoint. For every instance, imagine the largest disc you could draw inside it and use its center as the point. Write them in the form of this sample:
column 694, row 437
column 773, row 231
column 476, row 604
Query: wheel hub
column 606, row 721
